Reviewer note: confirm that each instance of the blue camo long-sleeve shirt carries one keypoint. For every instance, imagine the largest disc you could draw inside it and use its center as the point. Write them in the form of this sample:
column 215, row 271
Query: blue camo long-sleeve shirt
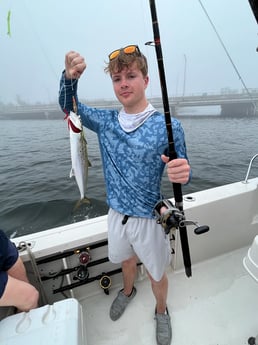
column 132, row 164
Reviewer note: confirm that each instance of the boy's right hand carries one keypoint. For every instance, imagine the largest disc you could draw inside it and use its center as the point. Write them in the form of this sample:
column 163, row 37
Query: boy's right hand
column 74, row 65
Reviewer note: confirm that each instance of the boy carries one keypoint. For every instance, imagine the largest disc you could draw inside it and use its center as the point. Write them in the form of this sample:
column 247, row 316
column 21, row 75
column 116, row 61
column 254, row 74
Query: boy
column 132, row 144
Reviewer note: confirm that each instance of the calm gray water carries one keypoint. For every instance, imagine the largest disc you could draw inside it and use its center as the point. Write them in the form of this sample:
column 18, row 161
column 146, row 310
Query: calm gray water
column 37, row 192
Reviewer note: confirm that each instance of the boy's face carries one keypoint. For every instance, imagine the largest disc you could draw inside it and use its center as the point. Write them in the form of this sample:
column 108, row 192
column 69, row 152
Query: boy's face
column 129, row 87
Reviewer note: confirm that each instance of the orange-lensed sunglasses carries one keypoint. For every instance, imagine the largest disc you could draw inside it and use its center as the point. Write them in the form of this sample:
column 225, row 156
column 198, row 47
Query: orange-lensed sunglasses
column 127, row 50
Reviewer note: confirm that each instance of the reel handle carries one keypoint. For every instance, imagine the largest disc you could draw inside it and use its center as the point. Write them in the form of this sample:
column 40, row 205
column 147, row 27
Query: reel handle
column 201, row 229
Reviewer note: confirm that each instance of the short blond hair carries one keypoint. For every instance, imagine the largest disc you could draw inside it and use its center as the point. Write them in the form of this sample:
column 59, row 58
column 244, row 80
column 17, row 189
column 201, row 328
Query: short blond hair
column 124, row 60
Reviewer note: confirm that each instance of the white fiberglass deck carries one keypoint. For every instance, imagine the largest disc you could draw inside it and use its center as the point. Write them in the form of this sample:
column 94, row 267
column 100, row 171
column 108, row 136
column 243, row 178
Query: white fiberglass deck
column 216, row 306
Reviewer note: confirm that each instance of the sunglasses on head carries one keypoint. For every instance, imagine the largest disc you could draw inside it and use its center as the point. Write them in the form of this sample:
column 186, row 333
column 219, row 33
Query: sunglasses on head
column 126, row 50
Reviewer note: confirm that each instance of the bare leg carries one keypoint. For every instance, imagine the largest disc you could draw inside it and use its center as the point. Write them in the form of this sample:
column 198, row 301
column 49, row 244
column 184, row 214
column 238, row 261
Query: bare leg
column 18, row 271
column 160, row 291
column 129, row 268
column 18, row 292
column 125, row 295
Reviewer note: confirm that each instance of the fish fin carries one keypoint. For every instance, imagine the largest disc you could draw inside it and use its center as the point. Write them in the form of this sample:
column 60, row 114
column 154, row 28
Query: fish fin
column 80, row 202
column 72, row 173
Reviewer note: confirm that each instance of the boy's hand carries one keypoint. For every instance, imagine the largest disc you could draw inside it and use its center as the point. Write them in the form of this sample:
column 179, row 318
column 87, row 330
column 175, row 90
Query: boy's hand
column 178, row 169
column 74, row 65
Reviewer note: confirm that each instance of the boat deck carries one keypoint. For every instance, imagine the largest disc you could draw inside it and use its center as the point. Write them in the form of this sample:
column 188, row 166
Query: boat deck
column 216, row 306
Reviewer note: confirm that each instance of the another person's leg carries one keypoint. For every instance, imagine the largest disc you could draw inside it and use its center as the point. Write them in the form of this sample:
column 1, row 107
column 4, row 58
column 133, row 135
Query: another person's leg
column 18, row 292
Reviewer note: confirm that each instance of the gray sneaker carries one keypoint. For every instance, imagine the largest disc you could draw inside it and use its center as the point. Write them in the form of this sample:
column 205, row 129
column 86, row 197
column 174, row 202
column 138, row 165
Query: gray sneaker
column 120, row 303
column 163, row 328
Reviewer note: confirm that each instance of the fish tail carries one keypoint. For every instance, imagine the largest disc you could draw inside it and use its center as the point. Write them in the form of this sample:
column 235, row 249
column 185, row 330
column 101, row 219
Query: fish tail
column 81, row 202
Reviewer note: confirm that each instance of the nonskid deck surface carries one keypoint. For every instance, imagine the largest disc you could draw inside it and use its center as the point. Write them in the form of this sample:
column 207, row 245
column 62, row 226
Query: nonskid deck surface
column 216, row 306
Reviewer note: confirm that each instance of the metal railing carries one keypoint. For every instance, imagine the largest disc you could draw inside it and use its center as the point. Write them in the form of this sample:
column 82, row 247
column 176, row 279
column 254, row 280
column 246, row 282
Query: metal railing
column 249, row 168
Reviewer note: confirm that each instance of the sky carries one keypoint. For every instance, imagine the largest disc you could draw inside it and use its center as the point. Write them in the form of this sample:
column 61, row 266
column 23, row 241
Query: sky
column 43, row 31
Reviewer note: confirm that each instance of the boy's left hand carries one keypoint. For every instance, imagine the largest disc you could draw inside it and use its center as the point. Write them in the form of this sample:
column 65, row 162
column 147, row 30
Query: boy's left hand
column 178, row 169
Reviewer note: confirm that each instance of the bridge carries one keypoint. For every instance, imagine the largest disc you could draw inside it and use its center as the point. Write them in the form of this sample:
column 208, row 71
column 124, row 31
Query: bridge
column 231, row 103
column 237, row 104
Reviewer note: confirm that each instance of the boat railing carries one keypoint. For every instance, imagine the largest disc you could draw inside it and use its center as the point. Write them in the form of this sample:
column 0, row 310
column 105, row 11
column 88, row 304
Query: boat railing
column 249, row 168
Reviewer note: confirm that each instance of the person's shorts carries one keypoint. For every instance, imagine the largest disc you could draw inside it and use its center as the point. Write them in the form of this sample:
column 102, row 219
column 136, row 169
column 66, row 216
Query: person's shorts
column 8, row 257
column 139, row 236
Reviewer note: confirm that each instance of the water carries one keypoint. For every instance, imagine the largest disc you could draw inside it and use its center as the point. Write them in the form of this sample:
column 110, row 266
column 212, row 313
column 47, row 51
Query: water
column 37, row 192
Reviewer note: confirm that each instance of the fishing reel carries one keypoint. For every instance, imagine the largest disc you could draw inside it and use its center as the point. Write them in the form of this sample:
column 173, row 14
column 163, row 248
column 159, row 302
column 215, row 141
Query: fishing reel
column 84, row 259
column 105, row 283
column 171, row 218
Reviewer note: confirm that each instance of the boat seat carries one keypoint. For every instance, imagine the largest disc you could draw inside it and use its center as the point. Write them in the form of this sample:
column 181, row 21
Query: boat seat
column 250, row 262
column 58, row 324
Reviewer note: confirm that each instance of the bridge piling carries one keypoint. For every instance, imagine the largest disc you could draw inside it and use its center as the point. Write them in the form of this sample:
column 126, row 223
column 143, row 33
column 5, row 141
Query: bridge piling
column 238, row 110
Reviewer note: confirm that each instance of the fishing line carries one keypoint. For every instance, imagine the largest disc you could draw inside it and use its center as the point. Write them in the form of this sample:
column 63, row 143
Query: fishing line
column 227, row 53
column 63, row 87
column 146, row 25
column 39, row 40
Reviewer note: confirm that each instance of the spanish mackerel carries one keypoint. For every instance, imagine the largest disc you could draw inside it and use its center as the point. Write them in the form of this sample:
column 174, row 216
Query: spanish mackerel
column 79, row 156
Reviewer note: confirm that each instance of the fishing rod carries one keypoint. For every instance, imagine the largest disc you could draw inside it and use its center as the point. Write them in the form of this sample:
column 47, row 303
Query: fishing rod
column 174, row 217
column 177, row 188
column 254, row 7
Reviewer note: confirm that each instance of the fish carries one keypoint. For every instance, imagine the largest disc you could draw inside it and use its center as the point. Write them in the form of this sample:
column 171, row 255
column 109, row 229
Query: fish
column 79, row 156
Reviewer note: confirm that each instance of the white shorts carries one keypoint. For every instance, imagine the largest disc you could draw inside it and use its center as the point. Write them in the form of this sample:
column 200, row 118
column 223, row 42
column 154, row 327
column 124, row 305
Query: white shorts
column 139, row 236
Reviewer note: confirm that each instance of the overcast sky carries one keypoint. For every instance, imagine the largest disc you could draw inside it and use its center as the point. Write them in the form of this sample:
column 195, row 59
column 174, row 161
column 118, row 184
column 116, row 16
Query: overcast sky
column 42, row 31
